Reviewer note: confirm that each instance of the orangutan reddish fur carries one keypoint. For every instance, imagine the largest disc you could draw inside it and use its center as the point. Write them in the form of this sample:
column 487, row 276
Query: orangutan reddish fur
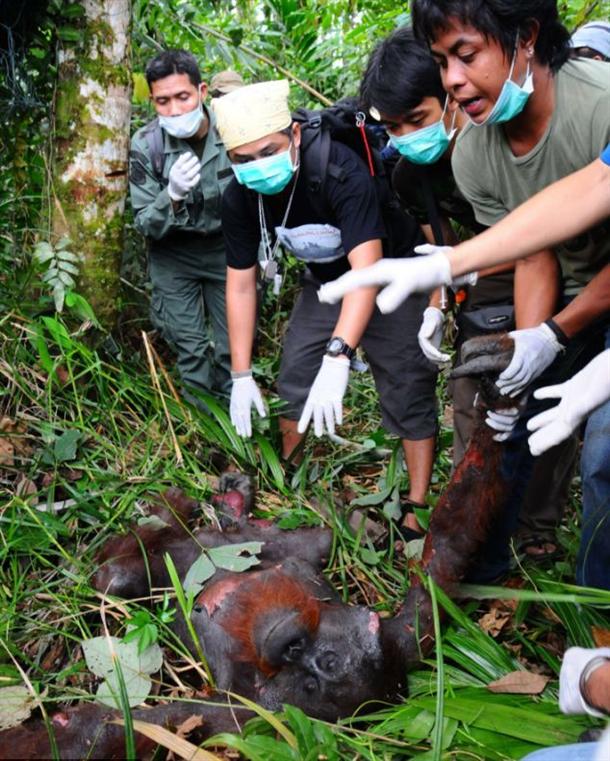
column 457, row 532
column 254, row 599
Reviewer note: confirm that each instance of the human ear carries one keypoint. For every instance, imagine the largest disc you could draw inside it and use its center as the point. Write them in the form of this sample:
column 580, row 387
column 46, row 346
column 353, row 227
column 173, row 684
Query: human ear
column 529, row 36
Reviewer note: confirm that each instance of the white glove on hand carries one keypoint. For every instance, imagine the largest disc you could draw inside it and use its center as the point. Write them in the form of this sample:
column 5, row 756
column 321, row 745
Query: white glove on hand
column 535, row 349
column 431, row 334
column 503, row 421
column 579, row 396
column 325, row 398
column 574, row 662
column 244, row 394
column 183, row 176
column 401, row 276
column 426, row 249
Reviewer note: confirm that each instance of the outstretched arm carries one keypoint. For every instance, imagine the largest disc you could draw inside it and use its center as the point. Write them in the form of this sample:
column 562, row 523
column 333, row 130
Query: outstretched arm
column 559, row 212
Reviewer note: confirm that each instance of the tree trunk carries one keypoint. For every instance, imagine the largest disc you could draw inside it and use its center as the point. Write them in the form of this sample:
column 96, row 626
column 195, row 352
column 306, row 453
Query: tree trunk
column 91, row 145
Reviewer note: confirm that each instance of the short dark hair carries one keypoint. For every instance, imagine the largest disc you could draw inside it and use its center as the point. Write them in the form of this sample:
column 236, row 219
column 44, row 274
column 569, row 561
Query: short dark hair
column 400, row 73
column 587, row 52
column 501, row 20
column 173, row 62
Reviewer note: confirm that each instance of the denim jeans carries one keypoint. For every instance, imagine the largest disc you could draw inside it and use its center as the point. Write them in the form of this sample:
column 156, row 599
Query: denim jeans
column 576, row 752
column 593, row 563
column 517, row 465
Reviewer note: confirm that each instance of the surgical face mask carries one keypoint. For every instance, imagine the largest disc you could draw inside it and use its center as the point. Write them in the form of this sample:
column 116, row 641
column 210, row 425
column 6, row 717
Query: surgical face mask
column 512, row 98
column 425, row 145
column 183, row 125
column 269, row 175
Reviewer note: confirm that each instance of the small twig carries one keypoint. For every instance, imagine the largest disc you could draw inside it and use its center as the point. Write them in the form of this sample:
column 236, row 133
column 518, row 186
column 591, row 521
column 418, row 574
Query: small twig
column 157, row 386
column 270, row 62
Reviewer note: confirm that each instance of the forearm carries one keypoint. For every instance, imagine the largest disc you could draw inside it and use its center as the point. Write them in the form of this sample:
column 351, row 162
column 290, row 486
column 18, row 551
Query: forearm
column 597, row 692
column 357, row 307
column 241, row 316
column 160, row 215
column 536, row 289
column 593, row 302
column 559, row 212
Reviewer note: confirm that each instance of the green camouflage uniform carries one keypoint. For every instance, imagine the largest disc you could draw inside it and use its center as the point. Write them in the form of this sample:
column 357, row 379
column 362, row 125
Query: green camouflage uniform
column 187, row 263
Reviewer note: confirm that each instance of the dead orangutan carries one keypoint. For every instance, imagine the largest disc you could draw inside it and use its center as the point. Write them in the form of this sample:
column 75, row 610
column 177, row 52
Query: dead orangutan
column 279, row 634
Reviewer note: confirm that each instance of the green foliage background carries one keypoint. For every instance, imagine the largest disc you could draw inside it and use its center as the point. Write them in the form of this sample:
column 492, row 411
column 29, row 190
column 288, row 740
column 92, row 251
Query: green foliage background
column 88, row 424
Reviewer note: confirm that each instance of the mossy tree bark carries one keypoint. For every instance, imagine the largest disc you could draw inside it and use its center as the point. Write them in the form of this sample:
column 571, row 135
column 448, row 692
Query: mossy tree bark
column 91, row 145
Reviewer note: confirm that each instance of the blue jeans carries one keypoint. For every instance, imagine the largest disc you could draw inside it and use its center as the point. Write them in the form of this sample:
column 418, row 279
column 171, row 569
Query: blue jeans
column 576, row 752
column 593, row 563
column 517, row 465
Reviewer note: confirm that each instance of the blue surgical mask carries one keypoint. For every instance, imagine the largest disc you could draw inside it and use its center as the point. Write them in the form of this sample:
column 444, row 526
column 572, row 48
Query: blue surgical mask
column 425, row 145
column 183, row 125
column 512, row 98
column 269, row 175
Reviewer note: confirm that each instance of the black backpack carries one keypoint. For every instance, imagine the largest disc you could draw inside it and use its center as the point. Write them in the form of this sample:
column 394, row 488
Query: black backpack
column 344, row 123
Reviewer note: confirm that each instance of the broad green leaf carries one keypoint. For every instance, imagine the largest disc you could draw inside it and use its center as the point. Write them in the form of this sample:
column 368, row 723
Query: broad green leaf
column 134, row 665
column 65, row 278
column 67, row 267
column 372, row 499
column 63, row 243
column 50, row 275
column 201, row 570
column 69, row 34
column 59, row 292
column 16, row 704
column 68, row 256
column 43, row 252
column 65, row 446
column 236, row 557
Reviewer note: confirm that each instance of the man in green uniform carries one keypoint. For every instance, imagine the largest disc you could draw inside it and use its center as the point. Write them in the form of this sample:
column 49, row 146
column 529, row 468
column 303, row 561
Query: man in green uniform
column 178, row 169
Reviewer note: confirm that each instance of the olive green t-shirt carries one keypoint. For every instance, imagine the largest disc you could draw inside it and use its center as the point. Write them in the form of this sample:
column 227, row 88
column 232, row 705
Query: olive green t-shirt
column 495, row 181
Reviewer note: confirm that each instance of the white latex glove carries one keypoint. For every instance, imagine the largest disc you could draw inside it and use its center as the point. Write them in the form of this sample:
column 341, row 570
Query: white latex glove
column 426, row 249
column 579, row 396
column 574, row 661
column 431, row 334
column 535, row 349
column 183, row 176
column 244, row 394
column 402, row 277
column 325, row 400
column 503, row 421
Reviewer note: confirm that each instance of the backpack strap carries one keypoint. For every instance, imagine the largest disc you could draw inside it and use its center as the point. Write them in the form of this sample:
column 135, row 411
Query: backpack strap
column 154, row 137
column 432, row 209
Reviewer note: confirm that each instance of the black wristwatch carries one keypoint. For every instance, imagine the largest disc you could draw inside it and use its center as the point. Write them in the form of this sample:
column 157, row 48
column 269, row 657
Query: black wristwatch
column 337, row 346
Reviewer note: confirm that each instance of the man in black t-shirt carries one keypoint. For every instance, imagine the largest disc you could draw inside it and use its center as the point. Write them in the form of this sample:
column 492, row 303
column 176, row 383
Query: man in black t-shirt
column 331, row 228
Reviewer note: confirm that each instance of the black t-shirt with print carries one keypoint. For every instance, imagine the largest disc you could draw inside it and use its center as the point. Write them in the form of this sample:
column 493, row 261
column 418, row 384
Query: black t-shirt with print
column 350, row 204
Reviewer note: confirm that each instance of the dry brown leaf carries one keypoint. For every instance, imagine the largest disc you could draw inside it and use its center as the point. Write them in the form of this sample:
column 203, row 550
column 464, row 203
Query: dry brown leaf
column 188, row 725
column 182, row 748
column 7, row 452
column 601, row 637
column 493, row 622
column 520, row 683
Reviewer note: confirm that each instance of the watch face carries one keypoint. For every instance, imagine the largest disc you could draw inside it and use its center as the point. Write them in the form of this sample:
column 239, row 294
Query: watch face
column 335, row 345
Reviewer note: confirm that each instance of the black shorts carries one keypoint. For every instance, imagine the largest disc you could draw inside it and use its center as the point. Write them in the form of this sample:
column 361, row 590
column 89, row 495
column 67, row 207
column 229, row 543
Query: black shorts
column 404, row 378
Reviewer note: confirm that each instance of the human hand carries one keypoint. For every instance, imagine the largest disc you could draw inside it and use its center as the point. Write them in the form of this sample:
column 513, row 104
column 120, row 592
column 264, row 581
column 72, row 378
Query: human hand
column 578, row 397
column 183, row 176
column 503, row 421
column 426, row 249
column 402, row 277
column 325, row 399
column 575, row 660
column 244, row 394
column 430, row 335
column 535, row 349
